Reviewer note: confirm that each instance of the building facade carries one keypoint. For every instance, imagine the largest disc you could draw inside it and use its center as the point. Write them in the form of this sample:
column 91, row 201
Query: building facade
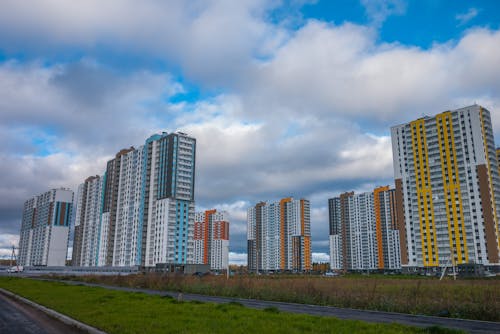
column 88, row 212
column 145, row 206
column 446, row 173
column 363, row 232
column 211, row 239
column 45, row 229
column 279, row 236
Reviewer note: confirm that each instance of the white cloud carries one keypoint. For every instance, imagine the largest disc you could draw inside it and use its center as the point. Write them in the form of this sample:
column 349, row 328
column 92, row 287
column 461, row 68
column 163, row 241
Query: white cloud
column 303, row 113
column 77, row 101
column 237, row 214
column 465, row 18
column 379, row 10
column 320, row 257
column 340, row 72
column 212, row 40
column 237, row 210
column 319, row 219
column 238, row 258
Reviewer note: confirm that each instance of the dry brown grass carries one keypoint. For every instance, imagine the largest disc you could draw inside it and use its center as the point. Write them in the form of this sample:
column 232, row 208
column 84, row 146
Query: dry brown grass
column 473, row 299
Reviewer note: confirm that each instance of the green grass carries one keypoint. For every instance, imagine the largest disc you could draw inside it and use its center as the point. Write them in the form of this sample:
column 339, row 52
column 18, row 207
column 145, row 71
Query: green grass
column 477, row 299
column 126, row 312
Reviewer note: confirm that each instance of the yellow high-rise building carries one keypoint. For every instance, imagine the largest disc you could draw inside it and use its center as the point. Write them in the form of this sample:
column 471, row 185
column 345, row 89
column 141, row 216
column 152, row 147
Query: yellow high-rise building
column 447, row 176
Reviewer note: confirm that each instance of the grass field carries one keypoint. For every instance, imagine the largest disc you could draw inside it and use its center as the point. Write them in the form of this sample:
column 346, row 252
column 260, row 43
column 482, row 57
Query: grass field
column 125, row 312
column 477, row 299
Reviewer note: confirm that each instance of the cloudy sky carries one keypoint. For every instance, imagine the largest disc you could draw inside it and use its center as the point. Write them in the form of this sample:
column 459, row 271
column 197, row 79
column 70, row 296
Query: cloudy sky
column 285, row 98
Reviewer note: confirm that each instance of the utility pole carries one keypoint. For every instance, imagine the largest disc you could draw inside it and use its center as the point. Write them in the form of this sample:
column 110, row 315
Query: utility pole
column 13, row 258
column 443, row 272
column 451, row 259
column 227, row 268
column 12, row 255
column 454, row 273
column 257, row 262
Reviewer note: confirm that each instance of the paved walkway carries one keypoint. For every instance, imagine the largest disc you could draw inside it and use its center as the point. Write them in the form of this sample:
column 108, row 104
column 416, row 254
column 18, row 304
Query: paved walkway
column 19, row 318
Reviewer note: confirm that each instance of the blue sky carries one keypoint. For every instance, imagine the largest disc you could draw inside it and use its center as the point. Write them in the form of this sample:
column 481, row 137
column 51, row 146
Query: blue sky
column 420, row 22
column 284, row 97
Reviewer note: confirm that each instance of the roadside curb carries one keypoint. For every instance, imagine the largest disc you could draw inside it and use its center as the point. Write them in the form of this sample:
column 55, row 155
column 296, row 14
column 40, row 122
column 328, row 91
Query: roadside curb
column 54, row 314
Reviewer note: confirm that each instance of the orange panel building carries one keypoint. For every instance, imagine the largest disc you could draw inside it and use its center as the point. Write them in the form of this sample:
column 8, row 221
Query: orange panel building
column 211, row 239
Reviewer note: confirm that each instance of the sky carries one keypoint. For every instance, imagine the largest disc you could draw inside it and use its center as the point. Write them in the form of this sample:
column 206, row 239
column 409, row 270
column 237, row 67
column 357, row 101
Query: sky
column 285, row 98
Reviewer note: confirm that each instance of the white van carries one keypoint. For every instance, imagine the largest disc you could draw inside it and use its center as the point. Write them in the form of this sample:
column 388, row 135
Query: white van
column 16, row 269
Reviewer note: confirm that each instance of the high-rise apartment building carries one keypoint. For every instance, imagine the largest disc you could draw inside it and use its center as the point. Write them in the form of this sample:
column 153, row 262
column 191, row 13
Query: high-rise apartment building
column 211, row 239
column 145, row 206
column 279, row 236
column 363, row 231
column 498, row 159
column 446, row 173
column 168, row 218
column 45, row 229
column 88, row 212
column 122, row 201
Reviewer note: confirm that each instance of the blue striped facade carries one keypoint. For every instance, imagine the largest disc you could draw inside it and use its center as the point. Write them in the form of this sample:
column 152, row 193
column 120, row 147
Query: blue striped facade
column 62, row 214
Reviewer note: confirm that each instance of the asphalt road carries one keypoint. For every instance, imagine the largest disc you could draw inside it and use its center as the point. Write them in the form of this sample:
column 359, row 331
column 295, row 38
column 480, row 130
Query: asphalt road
column 471, row 326
column 19, row 318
